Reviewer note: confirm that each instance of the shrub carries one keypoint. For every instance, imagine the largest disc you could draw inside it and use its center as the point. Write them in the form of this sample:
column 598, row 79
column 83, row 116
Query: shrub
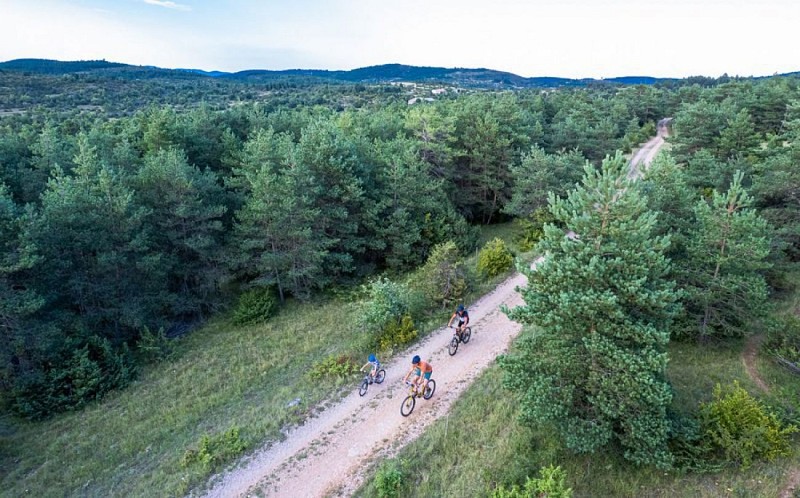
column 739, row 427
column 154, row 346
column 783, row 341
column 397, row 333
column 495, row 258
column 443, row 278
column 389, row 480
column 338, row 366
column 255, row 306
column 214, row 450
column 690, row 450
column 551, row 484
column 533, row 228
column 78, row 373
column 386, row 302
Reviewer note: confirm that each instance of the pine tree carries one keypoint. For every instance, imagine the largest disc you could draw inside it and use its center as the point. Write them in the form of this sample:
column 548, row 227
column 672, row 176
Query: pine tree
column 539, row 173
column 594, row 366
column 278, row 236
column 185, row 211
column 17, row 300
column 668, row 194
column 726, row 259
column 97, row 262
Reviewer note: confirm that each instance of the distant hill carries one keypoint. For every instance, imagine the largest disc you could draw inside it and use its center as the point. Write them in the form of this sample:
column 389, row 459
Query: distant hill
column 47, row 66
column 466, row 77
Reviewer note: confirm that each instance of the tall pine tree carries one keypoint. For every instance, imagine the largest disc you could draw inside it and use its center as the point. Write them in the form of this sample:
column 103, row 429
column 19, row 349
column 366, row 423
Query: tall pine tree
column 726, row 258
column 594, row 365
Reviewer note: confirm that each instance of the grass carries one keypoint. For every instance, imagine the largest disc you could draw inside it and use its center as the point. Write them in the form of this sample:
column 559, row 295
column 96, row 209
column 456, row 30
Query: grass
column 131, row 443
column 481, row 444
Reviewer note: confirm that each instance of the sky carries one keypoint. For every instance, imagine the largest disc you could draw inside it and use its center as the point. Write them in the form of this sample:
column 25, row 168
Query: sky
column 564, row 38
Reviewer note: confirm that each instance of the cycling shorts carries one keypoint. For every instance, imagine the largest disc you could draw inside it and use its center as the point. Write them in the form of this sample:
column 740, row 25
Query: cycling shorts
column 427, row 375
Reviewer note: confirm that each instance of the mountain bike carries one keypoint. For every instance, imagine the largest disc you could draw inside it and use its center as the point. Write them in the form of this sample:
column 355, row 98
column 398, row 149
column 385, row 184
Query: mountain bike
column 457, row 339
column 411, row 400
column 368, row 379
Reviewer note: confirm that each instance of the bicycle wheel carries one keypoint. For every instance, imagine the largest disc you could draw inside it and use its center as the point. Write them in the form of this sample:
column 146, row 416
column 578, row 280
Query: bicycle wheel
column 380, row 376
column 408, row 406
column 453, row 346
column 362, row 390
column 466, row 335
column 430, row 389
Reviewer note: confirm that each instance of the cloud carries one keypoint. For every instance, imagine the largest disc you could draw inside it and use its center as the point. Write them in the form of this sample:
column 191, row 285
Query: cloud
column 168, row 4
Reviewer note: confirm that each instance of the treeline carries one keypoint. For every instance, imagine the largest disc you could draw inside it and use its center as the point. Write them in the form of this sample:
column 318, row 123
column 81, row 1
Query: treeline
column 114, row 229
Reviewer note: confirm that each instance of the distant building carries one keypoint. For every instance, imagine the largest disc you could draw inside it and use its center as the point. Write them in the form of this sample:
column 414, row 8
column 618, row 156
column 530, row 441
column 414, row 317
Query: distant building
column 438, row 91
column 412, row 101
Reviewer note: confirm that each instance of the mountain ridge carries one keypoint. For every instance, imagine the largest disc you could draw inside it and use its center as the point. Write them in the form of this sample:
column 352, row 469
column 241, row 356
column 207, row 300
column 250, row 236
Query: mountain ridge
column 387, row 73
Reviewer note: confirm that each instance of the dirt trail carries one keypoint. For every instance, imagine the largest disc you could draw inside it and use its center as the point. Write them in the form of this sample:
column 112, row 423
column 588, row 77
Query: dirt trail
column 329, row 453
column 749, row 359
column 649, row 150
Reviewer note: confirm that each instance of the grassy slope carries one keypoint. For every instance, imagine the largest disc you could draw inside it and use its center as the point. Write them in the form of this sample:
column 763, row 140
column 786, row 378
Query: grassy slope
column 481, row 444
column 131, row 443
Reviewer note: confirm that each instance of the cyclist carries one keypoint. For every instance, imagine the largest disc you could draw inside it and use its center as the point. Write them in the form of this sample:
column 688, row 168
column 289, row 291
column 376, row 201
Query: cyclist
column 375, row 364
column 463, row 319
column 422, row 371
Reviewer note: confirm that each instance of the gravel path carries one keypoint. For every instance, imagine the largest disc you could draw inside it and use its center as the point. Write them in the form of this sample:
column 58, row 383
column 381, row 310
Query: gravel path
column 330, row 452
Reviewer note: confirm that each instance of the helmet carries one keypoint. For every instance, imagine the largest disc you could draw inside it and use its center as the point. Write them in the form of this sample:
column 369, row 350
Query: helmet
column 372, row 357
column 460, row 308
column 415, row 359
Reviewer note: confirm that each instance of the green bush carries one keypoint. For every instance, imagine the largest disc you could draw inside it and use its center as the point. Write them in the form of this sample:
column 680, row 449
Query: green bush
column 533, row 228
column 690, row 450
column 389, row 480
column 386, row 302
column 255, row 306
column 741, row 429
column 495, row 258
column 78, row 373
column 215, row 450
column 154, row 346
column 397, row 333
column 551, row 484
column 783, row 341
column 443, row 278
column 338, row 366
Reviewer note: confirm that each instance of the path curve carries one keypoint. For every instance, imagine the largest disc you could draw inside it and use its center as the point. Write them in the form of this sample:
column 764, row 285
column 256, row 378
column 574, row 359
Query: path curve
column 329, row 452
column 749, row 359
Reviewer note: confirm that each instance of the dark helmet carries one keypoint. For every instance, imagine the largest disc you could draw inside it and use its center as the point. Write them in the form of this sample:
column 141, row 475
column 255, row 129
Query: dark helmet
column 415, row 359
column 460, row 308
column 372, row 357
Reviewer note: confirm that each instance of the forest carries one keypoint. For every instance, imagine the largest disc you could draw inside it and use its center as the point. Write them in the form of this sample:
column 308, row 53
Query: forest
column 133, row 211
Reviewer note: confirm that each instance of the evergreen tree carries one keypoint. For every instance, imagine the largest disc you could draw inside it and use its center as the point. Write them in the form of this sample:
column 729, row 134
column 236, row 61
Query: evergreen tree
column 739, row 137
column 17, row 300
column 668, row 194
column 278, row 237
column 594, row 367
column 185, row 211
column 406, row 204
column 327, row 170
column 540, row 173
column 96, row 254
column 727, row 250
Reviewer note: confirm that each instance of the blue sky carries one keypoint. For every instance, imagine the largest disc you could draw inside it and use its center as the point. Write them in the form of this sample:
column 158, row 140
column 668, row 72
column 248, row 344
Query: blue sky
column 568, row 38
